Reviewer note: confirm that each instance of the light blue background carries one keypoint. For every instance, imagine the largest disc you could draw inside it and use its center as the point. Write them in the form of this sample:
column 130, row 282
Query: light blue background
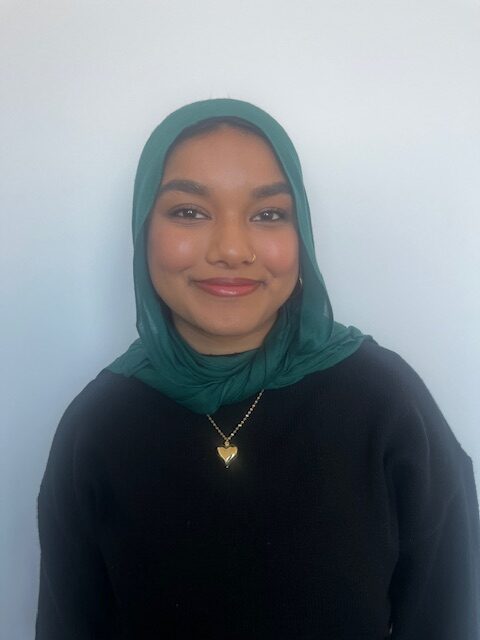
column 382, row 100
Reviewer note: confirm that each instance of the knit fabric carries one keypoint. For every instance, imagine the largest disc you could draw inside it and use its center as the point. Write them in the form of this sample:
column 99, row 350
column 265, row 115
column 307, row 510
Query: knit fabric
column 350, row 507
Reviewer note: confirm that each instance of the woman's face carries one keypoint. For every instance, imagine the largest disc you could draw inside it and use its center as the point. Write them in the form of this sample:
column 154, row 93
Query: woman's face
column 222, row 240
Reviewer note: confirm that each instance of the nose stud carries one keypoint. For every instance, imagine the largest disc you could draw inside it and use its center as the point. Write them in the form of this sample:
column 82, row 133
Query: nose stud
column 254, row 257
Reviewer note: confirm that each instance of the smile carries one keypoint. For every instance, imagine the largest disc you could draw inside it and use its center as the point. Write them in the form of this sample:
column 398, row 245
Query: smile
column 228, row 287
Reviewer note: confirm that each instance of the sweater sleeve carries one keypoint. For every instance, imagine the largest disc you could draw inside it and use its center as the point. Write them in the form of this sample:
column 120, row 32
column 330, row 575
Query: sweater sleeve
column 435, row 588
column 75, row 600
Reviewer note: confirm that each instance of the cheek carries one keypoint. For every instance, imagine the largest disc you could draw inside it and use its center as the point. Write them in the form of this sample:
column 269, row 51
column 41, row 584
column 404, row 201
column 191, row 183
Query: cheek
column 170, row 249
column 280, row 255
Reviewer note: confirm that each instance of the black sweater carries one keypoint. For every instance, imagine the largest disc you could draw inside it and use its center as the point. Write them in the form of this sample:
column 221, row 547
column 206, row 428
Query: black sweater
column 350, row 508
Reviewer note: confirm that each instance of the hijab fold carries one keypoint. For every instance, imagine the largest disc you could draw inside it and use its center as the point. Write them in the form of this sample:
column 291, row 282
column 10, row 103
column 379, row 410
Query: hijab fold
column 305, row 338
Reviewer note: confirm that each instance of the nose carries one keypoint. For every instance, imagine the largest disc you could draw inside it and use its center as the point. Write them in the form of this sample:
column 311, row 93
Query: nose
column 230, row 245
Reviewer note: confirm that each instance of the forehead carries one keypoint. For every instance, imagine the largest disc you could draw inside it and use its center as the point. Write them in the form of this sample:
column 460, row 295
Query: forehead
column 223, row 150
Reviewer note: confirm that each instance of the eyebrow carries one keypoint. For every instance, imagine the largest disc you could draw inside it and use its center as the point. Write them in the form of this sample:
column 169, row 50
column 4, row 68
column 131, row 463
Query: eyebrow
column 190, row 186
column 271, row 190
column 187, row 186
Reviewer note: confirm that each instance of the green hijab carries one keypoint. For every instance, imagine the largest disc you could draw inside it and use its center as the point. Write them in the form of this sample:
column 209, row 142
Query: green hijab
column 304, row 338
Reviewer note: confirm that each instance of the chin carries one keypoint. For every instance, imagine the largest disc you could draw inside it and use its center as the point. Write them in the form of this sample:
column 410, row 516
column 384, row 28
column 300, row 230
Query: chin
column 241, row 336
column 232, row 331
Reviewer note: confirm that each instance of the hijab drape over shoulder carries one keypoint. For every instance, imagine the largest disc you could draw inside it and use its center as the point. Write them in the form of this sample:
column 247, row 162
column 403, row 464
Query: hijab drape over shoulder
column 305, row 338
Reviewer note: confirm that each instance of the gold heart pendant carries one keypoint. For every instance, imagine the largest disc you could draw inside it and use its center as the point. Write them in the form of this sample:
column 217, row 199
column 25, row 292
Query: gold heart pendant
column 227, row 454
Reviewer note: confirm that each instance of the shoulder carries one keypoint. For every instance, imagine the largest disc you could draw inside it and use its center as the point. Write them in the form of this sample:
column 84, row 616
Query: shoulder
column 382, row 376
column 419, row 442
column 378, row 371
column 107, row 409
column 107, row 395
column 114, row 397
column 372, row 374
column 377, row 387
column 423, row 461
column 101, row 429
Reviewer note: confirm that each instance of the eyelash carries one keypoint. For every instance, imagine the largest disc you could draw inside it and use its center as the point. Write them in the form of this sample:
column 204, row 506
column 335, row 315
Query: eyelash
column 282, row 215
column 175, row 213
column 277, row 212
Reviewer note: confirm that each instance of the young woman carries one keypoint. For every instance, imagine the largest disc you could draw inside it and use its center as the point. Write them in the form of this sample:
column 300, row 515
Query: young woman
column 250, row 468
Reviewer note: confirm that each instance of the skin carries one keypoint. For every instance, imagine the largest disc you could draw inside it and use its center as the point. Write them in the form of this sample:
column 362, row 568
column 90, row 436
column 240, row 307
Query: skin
column 213, row 231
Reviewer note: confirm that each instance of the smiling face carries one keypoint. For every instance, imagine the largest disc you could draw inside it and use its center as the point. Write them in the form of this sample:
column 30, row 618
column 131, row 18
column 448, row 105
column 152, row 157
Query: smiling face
column 222, row 242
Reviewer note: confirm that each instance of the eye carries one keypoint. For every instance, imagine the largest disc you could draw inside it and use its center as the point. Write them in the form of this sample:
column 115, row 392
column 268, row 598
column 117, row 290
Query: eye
column 187, row 213
column 269, row 215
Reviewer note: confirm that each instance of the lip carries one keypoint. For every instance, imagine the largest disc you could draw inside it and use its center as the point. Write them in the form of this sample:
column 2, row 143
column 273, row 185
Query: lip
column 228, row 287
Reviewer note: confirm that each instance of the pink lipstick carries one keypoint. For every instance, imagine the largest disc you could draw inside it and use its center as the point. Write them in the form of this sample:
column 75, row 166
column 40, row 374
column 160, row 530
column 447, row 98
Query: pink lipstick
column 228, row 287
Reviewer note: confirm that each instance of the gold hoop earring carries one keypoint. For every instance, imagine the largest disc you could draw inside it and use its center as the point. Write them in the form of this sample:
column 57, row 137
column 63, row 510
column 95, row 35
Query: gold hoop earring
column 298, row 287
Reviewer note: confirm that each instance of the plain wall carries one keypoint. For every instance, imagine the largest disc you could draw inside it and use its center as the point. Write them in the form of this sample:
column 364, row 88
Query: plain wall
column 381, row 99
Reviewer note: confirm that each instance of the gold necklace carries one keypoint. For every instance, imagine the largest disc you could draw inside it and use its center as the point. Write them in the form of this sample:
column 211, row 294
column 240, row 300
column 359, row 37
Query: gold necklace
column 227, row 453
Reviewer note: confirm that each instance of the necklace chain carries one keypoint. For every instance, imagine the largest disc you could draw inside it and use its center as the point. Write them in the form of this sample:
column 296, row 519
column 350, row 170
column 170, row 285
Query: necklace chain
column 240, row 424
